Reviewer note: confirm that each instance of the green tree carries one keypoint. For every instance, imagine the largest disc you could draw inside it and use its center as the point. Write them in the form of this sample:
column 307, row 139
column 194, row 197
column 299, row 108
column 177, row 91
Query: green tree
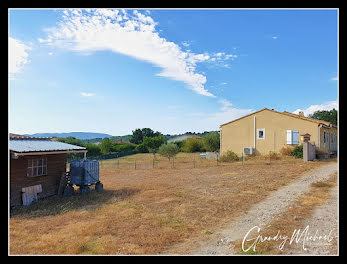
column 329, row 116
column 71, row 140
column 93, row 150
column 153, row 143
column 212, row 141
column 141, row 148
column 105, row 146
column 168, row 150
column 139, row 134
column 193, row 145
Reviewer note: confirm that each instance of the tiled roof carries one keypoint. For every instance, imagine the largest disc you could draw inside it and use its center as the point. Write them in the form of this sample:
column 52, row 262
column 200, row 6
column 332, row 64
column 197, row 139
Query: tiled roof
column 288, row 114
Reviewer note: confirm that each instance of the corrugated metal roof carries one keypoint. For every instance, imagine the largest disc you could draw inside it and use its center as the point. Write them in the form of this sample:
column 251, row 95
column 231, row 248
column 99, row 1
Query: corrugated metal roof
column 26, row 145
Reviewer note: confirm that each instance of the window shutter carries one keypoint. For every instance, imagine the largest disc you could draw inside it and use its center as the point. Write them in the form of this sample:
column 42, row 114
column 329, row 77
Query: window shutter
column 289, row 137
column 295, row 137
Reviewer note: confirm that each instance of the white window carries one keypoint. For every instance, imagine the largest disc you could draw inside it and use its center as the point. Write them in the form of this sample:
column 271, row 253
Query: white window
column 37, row 167
column 292, row 137
column 261, row 133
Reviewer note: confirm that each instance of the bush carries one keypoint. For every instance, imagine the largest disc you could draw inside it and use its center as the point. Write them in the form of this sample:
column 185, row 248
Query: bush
column 285, row 151
column 297, row 152
column 229, row 156
column 122, row 147
column 193, row 145
column 274, row 155
column 141, row 148
column 93, row 150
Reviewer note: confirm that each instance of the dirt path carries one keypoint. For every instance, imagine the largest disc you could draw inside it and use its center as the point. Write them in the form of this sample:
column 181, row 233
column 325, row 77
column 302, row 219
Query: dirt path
column 324, row 221
column 262, row 213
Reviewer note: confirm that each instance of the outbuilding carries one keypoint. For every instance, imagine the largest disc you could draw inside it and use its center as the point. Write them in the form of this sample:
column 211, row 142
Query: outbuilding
column 36, row 167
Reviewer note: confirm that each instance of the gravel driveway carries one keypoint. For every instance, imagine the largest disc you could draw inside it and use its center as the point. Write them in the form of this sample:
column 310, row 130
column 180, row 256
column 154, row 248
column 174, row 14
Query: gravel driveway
column 262, row 213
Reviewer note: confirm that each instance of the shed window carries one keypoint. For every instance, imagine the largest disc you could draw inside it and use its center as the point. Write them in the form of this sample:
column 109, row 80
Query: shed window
column 37, row 167
column 292, row 137
column 261, row 133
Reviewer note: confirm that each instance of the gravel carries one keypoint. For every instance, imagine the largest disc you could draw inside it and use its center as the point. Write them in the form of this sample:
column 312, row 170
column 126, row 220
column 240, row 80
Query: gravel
column 262, row 213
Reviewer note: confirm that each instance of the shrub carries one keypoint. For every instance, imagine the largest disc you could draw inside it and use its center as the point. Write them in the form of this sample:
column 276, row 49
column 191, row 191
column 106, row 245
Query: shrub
column 193, row 145
column 274, row 155
column 93, row 150
column 229, row 156
column 141, row 148
column 285, row 151
column 297, row 152
column 122, row 147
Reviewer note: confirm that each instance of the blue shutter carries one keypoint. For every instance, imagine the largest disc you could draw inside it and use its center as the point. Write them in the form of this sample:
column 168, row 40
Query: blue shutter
column 295, row 137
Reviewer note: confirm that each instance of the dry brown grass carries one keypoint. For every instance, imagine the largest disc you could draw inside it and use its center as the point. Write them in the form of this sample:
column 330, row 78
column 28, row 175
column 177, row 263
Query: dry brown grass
column 293, row 218
column 148, row 211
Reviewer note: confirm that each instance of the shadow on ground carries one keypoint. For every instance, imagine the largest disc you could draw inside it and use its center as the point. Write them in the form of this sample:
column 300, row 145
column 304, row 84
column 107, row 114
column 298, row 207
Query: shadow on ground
column 59, row 205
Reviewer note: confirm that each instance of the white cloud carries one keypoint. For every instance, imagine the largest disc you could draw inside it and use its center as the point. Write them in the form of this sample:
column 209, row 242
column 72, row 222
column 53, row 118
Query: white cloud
column 274, row 37
column 88, row 94
column 133, row 34
column 50, row 53
column 325, row 106
column 18, row 56
column 335, row 78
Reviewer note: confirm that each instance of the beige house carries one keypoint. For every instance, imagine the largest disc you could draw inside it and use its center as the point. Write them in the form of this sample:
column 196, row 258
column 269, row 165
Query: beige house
column 268, row 130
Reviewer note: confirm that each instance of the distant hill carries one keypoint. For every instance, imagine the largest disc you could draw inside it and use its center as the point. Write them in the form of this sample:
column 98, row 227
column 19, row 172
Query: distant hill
column 78, row 135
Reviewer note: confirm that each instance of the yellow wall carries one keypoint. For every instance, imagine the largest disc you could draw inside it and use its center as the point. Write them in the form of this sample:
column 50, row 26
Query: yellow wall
column 239, row 134
column 329, row 145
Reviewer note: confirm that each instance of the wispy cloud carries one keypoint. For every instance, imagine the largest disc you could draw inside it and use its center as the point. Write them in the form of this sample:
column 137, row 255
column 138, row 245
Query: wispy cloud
column 325, row 106
column 274, row 37
column 87, row 94
column 133, row 34
column 18, row 56
column 335, row 78
column 227, row 113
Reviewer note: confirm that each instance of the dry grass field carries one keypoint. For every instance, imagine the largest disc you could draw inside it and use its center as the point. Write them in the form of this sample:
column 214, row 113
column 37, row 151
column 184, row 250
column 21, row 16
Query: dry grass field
column 148, row 211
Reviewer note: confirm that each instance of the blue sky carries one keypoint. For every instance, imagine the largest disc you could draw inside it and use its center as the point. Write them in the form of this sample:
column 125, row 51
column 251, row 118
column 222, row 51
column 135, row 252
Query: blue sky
column 113, row 71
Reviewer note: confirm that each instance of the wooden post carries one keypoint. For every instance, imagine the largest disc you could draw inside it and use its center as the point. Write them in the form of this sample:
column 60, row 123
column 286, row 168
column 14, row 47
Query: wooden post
column 118, row 163
column 173, row 162
column 153, row 164
column 135, row 164
column 194, row 162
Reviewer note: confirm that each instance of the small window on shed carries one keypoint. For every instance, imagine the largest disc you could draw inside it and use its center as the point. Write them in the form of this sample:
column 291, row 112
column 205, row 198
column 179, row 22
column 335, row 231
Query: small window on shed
column 37, row 167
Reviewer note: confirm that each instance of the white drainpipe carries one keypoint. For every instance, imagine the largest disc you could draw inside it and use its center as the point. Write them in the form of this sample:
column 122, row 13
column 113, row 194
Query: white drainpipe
column 319, row 127
column 255, row 133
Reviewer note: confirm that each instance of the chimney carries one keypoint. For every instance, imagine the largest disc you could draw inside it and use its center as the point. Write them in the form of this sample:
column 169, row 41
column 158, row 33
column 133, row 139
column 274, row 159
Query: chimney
column 301, row 113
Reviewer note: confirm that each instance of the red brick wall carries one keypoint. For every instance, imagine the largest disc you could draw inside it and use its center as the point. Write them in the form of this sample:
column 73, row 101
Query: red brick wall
column 56, row 164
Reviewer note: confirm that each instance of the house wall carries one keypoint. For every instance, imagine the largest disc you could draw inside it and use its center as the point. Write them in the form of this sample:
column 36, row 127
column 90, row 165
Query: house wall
column 56, row 164
column 240, row 133
column 329, row 145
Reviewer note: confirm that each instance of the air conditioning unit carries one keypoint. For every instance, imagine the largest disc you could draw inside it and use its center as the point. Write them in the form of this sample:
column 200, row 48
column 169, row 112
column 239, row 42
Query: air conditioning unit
column 248, row 150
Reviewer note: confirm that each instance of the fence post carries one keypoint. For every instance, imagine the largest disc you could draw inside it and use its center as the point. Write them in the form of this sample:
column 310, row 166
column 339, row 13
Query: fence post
column 153, row 164
column 194, row 162
column 118, row 163
column 173, row 162
column 135, row 164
